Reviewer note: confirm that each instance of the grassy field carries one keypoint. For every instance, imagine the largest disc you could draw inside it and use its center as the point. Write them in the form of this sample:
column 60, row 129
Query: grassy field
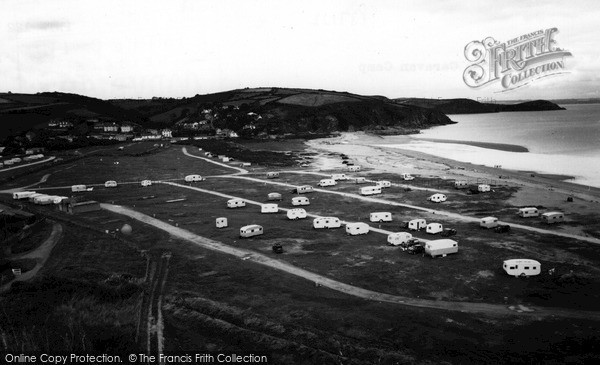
column 218, row 303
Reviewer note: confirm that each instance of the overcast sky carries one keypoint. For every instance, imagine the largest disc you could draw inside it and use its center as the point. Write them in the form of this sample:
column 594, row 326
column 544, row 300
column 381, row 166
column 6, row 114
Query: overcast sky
column 116, row 49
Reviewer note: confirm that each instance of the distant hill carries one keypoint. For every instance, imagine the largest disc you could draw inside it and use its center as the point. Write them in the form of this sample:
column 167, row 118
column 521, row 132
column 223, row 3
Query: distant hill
column 469, row 106
column 22, row 112
column 285, row 110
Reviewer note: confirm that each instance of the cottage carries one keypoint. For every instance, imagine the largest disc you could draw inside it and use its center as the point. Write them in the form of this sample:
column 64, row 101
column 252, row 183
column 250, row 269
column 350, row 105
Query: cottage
column 296, row 213
column 488, row 222
column 327, row 182
column 522, row 267
column 236, row 203
column 417, row 224
column 357, row 228
column 528, row 212
column 370, row 190
column 398, row 238
column 251, row 230
column 441, row 247
column 434, row 228
column 380, row 217
column 300, row 200
column 269, row 208
column 437, row 198
column 553, row 217
column 221, row 222
column 326, row 222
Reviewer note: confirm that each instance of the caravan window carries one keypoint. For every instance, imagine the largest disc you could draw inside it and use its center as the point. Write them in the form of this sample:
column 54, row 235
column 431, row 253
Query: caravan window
column 512, row 267
column 454, row 245
column 526, row 267
column 533, row 268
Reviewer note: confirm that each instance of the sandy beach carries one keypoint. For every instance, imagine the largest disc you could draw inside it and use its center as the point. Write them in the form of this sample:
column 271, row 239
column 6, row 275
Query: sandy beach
column 371, row 153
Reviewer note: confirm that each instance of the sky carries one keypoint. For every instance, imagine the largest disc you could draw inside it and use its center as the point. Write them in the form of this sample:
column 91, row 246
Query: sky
column 180, row 48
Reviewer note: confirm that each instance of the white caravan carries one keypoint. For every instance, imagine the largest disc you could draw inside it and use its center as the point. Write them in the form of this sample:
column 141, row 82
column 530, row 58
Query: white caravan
column 370, row 190
column 300, row 200
column 193, row 178
column 407, row 177
column 360, row 180
column 488, row 222
column 110, row 184
column 337, row 177
column 353, row 168
column 397, row 238
column 274, row 196
column 269, row 208
column 522, row 267
column 221, row 222
column 528, row 212
column 553, row 217
column 380, row 217
column 357, row 228
column 417, row 224
column 296, row 213
column 272, row 175
column 461, row 184
column 437, row 198
column 434, row 228
column 78, row 188
column 236, row 203
column 326, row 222
column 304, row 189
column 327, row 182
column 146, row 182
column 251, row 230
column 441, row 247
column 482, row 188
column 23, row 194
column 383, row 183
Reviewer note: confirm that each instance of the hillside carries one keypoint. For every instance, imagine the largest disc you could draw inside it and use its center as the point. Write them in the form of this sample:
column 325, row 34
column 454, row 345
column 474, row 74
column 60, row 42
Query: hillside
column 22, row 112
column 292, row 111
column 469, row 106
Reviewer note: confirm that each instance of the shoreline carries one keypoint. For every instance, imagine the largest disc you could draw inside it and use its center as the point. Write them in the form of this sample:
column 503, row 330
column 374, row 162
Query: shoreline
column 373, row 154
column 488, row 145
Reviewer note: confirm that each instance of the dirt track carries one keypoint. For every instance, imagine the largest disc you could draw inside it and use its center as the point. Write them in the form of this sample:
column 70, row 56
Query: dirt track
column 467, row 307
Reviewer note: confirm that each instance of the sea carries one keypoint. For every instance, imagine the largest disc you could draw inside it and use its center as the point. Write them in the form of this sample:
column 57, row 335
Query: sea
column 562, row 142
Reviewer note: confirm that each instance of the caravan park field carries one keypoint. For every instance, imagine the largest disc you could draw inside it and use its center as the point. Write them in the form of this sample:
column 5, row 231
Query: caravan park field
column 214, row 300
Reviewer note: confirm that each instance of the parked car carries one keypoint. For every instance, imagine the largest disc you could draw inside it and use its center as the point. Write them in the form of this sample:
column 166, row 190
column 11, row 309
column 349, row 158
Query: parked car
column 416, row 249
column 278, row 248
column 447, row 232
column 502, row 228
column 409, row 243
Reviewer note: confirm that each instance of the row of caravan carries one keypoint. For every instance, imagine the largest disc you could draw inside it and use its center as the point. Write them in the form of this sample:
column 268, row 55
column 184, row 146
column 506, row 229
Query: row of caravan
column 37, row 198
